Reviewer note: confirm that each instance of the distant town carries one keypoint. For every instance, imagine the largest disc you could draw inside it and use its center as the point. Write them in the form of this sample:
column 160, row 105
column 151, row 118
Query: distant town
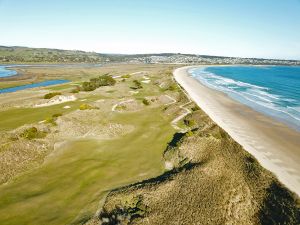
column 202, row 59
column 15, row 54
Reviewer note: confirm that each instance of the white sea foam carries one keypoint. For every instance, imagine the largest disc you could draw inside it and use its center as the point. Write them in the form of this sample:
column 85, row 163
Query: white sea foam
column 255, row 96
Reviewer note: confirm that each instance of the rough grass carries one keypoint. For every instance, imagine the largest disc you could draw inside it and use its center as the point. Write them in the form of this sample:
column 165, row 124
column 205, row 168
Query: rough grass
column 66, row 189
column 33, row 133
column 77, row 175
column 213, row 181
column 86, row 106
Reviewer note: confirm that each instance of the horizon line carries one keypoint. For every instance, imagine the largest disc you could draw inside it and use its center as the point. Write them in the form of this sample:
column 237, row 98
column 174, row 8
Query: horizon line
column 152, row 53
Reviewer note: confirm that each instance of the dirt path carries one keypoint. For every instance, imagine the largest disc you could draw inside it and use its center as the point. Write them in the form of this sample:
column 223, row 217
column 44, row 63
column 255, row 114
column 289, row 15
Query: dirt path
column 187, row 111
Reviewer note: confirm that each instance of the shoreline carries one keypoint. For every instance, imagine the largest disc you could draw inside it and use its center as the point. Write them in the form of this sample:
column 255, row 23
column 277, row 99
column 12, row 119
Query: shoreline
column 272, row 143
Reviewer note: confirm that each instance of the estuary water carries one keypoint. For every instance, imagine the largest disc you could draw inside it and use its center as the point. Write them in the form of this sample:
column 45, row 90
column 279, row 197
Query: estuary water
column 272, row 90
column 34, row 85
column 7, row 71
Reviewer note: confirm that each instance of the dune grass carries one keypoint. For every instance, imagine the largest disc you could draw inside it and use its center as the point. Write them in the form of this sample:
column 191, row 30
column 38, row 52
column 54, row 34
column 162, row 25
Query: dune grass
column 15, row 117
column 80, row 173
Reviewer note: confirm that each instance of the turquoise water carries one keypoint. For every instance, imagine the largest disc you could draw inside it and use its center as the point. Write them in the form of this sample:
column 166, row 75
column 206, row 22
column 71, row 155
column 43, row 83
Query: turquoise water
column 4, row 72
column 34, row 85
column 272, row 90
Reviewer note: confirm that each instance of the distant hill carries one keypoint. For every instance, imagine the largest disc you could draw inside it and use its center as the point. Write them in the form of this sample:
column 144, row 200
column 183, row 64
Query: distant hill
column 46, row 55
column 17, row 54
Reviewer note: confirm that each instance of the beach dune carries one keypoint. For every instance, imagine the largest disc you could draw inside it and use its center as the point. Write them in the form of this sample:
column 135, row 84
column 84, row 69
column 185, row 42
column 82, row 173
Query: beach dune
column 275, row 146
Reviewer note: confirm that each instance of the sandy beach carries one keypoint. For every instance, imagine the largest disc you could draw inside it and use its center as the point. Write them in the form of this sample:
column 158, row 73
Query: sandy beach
column 275, row 146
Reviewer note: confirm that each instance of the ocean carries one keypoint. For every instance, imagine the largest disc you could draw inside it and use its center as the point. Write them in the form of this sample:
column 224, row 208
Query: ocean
column 271, row 90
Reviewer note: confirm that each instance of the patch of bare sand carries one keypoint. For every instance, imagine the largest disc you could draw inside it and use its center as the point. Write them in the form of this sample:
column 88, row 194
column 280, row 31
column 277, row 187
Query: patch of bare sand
column 55, row 100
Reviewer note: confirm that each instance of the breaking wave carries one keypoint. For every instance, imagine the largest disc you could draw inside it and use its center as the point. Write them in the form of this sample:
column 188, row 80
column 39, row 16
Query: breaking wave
column 257, row 97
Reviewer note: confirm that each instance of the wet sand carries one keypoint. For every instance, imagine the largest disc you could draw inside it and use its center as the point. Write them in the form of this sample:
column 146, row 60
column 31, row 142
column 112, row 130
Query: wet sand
column 275, row 146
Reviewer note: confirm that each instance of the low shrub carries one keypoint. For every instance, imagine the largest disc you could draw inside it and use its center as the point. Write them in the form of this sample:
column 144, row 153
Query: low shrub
column 125, row 76
column 85, row 106
column 121, row 107
column 172, row 87
column 51, row 120
column 94, row 83
column 51, row 95
column 137, row 85
column 189, row 122
column 189, row 133
column 75, row 90
column 106, row 80
column 88, row 86
column 57, row 115
column 195, row 108
column 146, row 102
column 32, row 133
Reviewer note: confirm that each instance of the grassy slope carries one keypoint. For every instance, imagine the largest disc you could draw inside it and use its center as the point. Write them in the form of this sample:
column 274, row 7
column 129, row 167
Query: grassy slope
column 219, row 183
column 69, row 186
column 45, row 55
column 14, row 118
column 81, row 173
column 225, row 185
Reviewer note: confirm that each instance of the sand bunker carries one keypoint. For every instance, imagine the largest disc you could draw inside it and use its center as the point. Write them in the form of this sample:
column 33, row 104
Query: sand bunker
column 56, row 100
column 130, row 105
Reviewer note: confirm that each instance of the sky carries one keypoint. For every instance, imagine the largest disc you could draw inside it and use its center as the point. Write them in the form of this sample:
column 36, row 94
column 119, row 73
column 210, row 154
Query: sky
column 256, row 28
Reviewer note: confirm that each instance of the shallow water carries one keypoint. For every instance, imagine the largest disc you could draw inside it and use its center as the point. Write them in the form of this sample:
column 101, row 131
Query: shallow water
column 272, row 90
column 5, row 72
column 34, row 85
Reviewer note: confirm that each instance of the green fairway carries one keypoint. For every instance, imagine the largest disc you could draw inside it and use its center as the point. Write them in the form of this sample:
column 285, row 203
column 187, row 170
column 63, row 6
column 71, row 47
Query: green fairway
column 15, row 117
column 68, row 187
column 60, row 87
